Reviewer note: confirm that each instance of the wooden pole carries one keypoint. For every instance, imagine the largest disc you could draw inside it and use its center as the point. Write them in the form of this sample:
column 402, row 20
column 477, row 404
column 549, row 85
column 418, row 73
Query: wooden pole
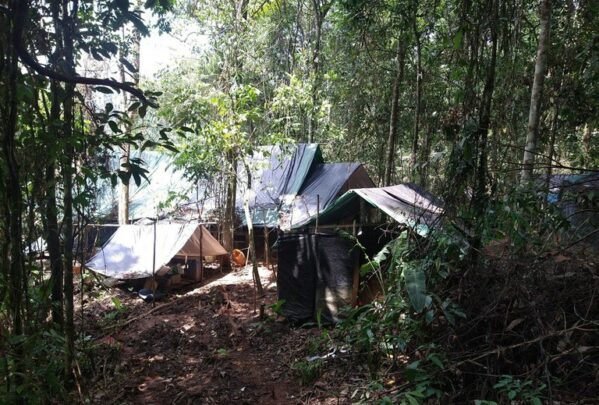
column 266, row 247
column 154, row 266
column 317, row 210
column 201, row 255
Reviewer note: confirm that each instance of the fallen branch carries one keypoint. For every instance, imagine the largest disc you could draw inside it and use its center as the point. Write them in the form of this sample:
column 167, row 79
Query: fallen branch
column 499, row 350
column 128, row 321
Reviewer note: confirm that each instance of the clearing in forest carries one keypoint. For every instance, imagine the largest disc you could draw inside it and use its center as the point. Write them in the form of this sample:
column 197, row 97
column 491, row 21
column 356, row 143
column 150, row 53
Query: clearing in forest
column 205, row 345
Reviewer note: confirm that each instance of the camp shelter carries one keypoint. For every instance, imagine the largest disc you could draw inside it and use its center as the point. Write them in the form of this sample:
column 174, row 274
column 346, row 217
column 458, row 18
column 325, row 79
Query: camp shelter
column 578, row 199
column 138, row 251
column 274, row 171
column 164, row 180
column 317, row 275
column 325, row 184
column 405, row 203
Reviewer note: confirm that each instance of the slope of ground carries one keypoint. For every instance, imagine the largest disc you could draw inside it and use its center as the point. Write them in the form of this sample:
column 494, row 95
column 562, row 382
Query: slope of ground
column 206, row 345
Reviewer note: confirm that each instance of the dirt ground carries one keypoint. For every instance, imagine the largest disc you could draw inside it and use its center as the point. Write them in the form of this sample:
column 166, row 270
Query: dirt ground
column 202, row 346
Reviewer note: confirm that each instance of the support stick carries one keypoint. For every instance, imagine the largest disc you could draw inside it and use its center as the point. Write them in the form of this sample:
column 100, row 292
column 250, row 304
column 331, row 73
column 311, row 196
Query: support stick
column 154, row 267
column 201, row 255
column 317, row 210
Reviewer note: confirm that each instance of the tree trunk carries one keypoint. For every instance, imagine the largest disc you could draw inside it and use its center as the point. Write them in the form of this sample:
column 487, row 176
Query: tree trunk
column 68, row 172
column 417, row 110
column 424, row 168
column 390, row 165
column 251, row 236
column 123, row 208
column 320, row 12
column 469, row 100
column 231, row 190
column 536, row 95
column 485, row 114
column 266, row 246
column 551, row 153
column 11, row 226
column 586, row 145
column 479, row 201
column 51, row 214
column 51, row 208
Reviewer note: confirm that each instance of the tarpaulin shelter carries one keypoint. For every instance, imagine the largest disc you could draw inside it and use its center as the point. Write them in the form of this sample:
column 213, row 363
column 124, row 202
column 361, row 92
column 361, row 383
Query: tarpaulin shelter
column 144, row 198
column 275, row 171
column 406, row 203
column 317, row 276
column 138, row 251
column 326, row 183
column 577, row 199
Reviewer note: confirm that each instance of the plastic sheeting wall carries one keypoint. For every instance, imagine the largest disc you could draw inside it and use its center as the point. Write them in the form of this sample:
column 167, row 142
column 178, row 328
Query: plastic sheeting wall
column 316, row 275
column 296, row 277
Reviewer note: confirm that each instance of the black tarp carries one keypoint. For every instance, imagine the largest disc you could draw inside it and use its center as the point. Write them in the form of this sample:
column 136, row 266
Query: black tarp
column 336, row 265
column 275, row 171
column 296, row 277
column 316, row 275
column 326, row 182
column 406, row 203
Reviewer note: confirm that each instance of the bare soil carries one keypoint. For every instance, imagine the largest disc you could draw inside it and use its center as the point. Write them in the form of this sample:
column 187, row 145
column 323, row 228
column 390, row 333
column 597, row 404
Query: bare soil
column 204, row 345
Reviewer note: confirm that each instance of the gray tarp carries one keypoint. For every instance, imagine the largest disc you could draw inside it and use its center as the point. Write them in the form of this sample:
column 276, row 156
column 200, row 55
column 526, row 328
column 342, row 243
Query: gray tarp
column 406, row 203
column 129, row 253
column 326, row 183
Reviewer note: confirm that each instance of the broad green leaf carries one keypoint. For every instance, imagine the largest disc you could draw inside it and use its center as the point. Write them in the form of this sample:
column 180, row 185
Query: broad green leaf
column 113, row 126
column 104, row 89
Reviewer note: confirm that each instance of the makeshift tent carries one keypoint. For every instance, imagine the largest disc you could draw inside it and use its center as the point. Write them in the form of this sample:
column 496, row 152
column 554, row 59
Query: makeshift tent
column 316, row 275
column 38, row 246
column 406, row 203
column 326, row 183
column 165, row 180
column 275, row 171
column 577, row 199
column 131, row 252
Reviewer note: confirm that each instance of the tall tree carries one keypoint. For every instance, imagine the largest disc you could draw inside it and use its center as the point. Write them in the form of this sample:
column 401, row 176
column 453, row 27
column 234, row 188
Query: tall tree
column 131, row 40
column 320, row 9
column 394, row 115
column 536, row 95
column 418, row 92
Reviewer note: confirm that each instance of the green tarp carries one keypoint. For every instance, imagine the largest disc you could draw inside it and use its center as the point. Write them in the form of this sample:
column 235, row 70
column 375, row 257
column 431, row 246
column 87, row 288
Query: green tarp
column 406, row 203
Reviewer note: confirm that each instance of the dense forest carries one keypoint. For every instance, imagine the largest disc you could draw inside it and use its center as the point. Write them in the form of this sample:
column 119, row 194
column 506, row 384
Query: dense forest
column 487, row 104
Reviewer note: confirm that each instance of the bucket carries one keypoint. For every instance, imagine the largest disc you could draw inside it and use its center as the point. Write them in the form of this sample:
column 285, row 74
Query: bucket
column 238, row 257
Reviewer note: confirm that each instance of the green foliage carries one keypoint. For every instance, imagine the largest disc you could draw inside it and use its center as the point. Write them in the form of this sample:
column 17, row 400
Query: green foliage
column 385, row 330
column 276, row 308
column 40, row 356
column 307, row 371
column 518, row 390
column 119, row 310
column 415, row 279
column 525, row 220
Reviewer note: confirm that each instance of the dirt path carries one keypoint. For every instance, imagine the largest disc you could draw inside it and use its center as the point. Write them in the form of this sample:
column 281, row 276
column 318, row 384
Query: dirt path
column 205, row 346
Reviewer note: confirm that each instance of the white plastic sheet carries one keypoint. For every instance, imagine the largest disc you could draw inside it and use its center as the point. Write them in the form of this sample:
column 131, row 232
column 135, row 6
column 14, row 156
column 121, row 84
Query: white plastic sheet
column 129, row 253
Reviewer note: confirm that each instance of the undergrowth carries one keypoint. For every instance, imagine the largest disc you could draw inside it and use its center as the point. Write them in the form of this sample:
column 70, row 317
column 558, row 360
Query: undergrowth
column 515, row 322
